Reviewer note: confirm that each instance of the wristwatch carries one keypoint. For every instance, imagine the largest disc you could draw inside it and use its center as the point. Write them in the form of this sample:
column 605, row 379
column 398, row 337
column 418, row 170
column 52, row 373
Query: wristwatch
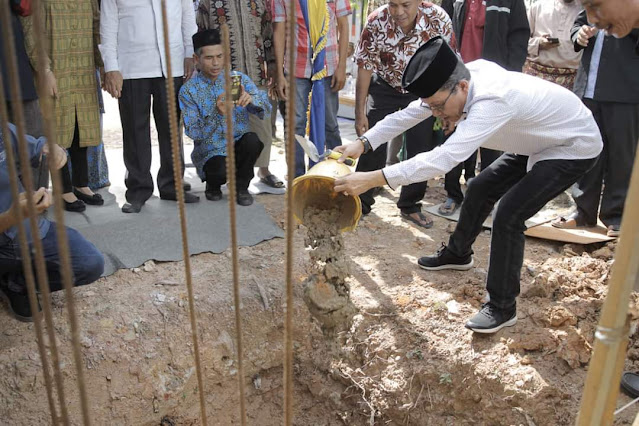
column 367, row 145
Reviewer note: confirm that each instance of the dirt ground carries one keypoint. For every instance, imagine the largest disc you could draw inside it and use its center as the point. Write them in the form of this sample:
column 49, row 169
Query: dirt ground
column 406, row 360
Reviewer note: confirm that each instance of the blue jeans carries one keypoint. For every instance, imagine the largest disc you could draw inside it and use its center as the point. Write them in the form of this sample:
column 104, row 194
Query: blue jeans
column 333, row 139
column 87, row 263
column 522, row 195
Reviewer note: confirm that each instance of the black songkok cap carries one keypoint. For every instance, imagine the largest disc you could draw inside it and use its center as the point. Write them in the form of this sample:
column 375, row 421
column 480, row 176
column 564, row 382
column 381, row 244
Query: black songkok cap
column 429, row 68
column 206, row 38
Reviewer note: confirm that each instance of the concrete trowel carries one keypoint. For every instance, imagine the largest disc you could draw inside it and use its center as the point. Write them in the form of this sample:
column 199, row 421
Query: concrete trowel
column 311, row 150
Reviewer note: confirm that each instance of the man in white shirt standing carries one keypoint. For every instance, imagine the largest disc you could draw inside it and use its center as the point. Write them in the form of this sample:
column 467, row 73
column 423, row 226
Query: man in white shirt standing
column 551, row 54
column 550, row 139
column 135, row 65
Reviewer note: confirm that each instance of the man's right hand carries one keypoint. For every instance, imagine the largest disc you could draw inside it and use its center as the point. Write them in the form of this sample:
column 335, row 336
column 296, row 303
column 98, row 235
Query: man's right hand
column 113, row 83
column 51, row 84
column 281, row 87
column 545, row 44
column 361, row 124
column 586, row 32
column 41, row 199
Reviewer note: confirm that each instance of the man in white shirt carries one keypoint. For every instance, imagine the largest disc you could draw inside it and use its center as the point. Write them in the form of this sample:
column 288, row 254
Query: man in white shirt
column 551, row 54
column 550, row 139
column 135, row 65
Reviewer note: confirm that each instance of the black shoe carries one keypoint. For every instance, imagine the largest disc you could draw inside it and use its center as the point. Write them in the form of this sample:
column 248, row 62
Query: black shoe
column 172, row 196
column 491, row 319
column 186, row 186
column 94, row 200
column 630, row 384
column 444, row 259
column 213, row 194
column 132, row 207
column 18, row 303
column 244, row 198
column 77, row 206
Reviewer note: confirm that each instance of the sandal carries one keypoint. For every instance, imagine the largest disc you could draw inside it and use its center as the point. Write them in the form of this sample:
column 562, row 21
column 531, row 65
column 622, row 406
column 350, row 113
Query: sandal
column 272, row 181
column 423, row 221
column 573, row 221
column 448, row 208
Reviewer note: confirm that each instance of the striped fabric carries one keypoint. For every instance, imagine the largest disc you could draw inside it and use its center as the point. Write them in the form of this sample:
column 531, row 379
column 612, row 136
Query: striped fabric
column 302, row 69
column 72, row 34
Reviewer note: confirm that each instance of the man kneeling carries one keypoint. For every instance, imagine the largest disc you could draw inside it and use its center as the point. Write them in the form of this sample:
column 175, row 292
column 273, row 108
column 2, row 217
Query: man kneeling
column 550, row 139
column 87, row 263
column 202, row 100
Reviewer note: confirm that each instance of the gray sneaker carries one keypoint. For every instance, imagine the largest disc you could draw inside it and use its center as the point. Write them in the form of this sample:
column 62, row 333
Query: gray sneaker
column 490, row 319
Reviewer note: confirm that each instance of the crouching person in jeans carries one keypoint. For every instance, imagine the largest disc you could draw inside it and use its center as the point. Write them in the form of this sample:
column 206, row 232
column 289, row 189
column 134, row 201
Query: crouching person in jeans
column 202, row 100
column 87, row 263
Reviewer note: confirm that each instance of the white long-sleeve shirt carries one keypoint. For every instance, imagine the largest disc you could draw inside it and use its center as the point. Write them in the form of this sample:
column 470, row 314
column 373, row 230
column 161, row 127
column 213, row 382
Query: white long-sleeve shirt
column 555, row 18
column 133, row 37
column 506, row 111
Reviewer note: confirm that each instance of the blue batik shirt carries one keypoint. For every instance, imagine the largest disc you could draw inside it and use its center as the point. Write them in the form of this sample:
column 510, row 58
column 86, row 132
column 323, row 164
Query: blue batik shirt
column 34, row 146
column 203, row 122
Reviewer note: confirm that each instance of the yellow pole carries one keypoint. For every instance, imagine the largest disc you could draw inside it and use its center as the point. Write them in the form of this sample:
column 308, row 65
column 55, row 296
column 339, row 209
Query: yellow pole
column 611, row 338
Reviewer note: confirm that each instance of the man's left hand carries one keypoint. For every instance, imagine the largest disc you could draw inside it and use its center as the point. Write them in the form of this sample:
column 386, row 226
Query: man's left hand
column 359, row 182
column 339, row 78
column 189, row 68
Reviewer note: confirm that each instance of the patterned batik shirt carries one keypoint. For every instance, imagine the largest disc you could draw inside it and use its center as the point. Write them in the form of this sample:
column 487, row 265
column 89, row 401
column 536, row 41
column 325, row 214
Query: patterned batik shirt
column 250, row 31
column 336, row 9
column 384, row 48
column 203, row 122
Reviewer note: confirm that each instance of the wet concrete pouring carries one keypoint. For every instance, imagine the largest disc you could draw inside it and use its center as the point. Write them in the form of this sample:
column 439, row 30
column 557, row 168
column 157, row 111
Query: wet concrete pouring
column 326, row 292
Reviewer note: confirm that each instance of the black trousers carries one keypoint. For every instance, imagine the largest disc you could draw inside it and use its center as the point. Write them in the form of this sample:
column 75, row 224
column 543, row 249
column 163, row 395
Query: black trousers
column 384, row 100
column 619, row 126
column 135, row 115
column 522, row 195
column 451, row 180
column 247, row 149
column 487, row 157
column 78, row 160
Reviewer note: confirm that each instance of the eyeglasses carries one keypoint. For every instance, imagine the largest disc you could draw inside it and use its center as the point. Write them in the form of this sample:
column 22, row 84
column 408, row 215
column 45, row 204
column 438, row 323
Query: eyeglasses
column 440, row 108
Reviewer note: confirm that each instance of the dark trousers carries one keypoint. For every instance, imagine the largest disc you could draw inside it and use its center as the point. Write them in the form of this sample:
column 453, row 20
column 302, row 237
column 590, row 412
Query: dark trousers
column 78, row 160
column 135, row 114
column 87, row 263
column 247, row 149
column 488, row 157
column 522, row 195
column 451, row 180
column 619, row 126
column 384, row 100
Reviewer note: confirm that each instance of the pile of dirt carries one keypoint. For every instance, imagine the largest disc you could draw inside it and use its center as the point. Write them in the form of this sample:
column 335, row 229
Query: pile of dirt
column 406, row 358
column 326, row 292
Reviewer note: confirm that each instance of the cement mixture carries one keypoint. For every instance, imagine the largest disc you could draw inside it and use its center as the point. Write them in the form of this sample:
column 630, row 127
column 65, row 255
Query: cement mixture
column 326, row 292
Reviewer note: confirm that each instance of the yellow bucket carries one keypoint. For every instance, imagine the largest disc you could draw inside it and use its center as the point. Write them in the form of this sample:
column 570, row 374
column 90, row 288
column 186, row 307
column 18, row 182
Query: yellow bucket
column 315, row 188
